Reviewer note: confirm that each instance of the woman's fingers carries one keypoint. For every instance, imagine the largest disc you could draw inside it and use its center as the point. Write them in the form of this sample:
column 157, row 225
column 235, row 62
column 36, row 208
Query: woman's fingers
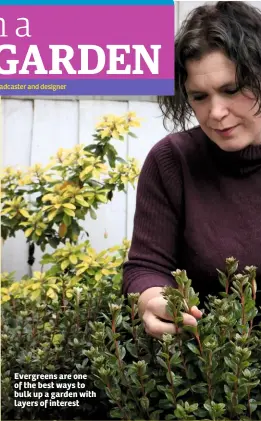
column 189, row 320
column 155, row 314
column 196, row 312
column 155, row 327
column 157, row 306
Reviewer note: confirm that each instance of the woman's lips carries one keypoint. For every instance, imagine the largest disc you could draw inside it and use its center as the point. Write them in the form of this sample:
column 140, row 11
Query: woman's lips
column 226, row 132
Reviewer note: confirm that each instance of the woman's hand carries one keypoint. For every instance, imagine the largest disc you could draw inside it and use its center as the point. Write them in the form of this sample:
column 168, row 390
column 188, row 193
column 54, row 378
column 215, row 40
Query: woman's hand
column 152, row 310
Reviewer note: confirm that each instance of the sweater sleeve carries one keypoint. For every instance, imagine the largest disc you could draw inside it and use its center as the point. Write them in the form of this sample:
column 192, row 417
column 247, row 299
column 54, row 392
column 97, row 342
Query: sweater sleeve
column 157, row 222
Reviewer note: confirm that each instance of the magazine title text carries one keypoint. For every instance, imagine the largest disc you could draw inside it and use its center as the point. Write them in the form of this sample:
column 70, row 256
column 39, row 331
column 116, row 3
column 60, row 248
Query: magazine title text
column 113, row 59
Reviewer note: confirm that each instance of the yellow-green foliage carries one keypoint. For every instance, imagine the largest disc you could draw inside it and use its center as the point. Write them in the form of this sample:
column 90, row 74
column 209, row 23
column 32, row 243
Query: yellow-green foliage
column 72, row 185
column 74, row 268
column 46, row 317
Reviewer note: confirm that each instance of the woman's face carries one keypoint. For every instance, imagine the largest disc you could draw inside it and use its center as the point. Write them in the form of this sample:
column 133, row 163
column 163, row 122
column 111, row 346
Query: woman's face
column 224, row 114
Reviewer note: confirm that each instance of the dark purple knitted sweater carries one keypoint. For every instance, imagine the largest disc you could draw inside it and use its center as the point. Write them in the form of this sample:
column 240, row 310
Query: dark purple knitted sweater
column 196, row 206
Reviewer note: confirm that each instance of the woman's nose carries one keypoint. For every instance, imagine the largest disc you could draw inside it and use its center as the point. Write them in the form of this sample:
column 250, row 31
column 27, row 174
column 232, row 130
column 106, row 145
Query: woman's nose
column 218, row 110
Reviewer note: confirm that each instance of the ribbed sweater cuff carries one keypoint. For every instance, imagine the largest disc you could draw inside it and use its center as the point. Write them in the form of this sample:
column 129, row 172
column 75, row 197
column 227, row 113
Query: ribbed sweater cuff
column 140, row 280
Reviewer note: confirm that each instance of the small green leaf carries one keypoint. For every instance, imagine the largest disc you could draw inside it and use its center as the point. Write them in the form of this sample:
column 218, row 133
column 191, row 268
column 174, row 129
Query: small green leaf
column 52, row 294
column 252, row 404
column 131, row 348
column 116, row 413
column 171, row 377
column 53, row 270
column 170, row 417
column 170, row 396
column 28, row 232
column 42, row 247
column 102, row 198
column 93, row 214
column 73, row 259
column 109, row 332
column 155, row 415
column 132, row 135
column 67, row 220
column 54, row 242
column 122, row 352
column 193, row 407
column 162, row 362
column 47, row 258
column 36, row 294
column 65, row 264
column 57, row 338
column 180, row 412
column 150, row 386
column 69, row 212
column 200, row 388
column 24, row 212
column 193, row 348
column 145, row 403
column 165, row 404
column 230, row 364
column 175, row 359
column 69, row 206
column 182, row 393
column 82, row 202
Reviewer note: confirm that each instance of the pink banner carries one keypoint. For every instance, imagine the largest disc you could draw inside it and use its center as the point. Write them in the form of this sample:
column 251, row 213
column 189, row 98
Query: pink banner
column 87, row 42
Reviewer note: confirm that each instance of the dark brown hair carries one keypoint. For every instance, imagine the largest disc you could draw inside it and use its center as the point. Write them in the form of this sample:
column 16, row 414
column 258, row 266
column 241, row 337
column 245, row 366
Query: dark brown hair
column 233, row 27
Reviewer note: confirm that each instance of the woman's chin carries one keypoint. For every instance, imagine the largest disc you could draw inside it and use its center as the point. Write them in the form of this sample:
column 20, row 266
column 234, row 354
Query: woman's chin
column 231, row 145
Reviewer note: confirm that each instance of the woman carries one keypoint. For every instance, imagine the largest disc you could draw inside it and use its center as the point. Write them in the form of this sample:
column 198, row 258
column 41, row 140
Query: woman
column 199, row 192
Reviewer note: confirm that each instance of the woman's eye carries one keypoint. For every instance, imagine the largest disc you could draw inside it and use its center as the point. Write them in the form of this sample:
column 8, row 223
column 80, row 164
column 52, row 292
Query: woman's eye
column 232, row 91
column 199, row 98
column 227, row 91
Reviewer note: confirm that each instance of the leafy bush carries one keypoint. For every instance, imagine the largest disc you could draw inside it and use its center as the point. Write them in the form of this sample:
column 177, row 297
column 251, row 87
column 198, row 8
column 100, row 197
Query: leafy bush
column 48, row 202
column 210, row 371
column 45, row 317
column 46, row 322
